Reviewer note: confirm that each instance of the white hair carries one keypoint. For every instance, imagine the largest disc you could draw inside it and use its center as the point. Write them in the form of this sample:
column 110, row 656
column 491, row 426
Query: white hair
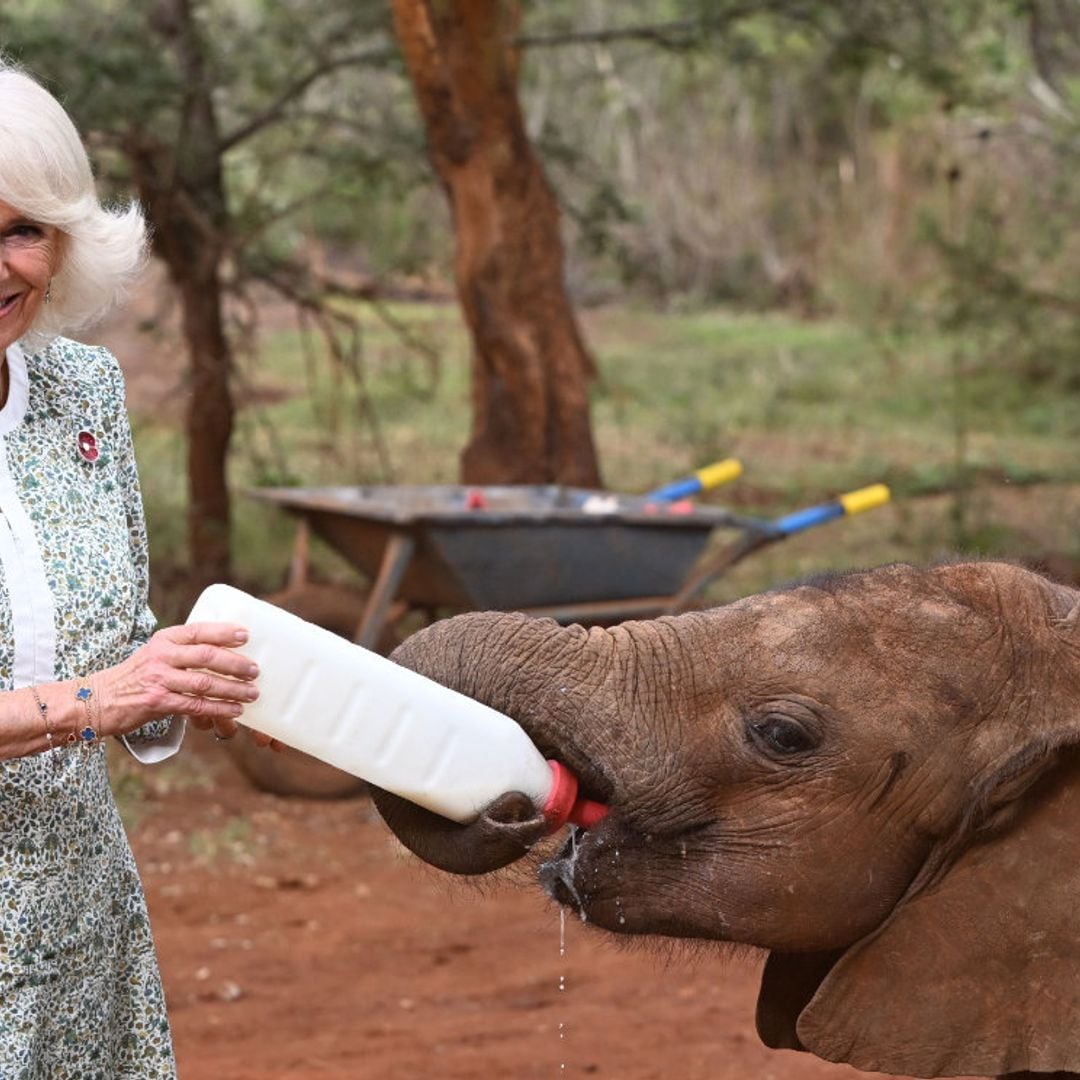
column 46, row 176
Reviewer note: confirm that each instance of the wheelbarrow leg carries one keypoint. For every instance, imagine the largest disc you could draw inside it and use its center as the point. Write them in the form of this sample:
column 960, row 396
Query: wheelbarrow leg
column 301, row 554
column 395, row 560
column 714, row 566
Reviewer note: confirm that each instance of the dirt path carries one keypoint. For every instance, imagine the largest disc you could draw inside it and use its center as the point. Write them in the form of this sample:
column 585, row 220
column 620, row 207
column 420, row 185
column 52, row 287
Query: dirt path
column 298, row 940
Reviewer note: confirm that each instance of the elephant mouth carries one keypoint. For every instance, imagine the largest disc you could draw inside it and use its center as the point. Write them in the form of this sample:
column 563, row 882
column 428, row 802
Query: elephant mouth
column 593, row 782
column 558, row 875
column 626, row 881
column 586, row 877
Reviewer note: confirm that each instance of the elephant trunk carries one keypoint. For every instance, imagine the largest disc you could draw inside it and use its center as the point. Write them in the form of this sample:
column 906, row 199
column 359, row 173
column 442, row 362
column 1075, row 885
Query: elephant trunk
column 555, row 682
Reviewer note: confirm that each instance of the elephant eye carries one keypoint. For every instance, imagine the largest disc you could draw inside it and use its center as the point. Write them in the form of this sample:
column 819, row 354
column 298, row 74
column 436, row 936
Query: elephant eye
column 782, row 735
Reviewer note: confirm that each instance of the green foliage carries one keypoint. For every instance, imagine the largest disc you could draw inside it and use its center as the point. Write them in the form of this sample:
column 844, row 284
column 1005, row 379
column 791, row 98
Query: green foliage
column 784, row 152
column 94, row 58
column 1011, row 271
column 775, row 153
column 811, row 408
column 316, row 121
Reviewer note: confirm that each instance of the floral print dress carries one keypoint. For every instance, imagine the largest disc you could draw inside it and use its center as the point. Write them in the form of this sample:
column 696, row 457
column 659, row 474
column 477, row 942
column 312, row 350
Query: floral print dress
column 80, row 993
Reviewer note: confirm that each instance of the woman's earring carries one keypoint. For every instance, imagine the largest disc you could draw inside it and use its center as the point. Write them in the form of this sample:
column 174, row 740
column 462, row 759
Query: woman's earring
column 48, row 291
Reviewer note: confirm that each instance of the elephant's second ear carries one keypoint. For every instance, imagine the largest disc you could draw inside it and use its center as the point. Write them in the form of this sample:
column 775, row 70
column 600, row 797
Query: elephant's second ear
column 978, row 974
column 1064, row 607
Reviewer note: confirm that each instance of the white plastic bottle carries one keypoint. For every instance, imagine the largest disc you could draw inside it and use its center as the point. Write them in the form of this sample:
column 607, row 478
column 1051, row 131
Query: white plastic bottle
column 358, row 711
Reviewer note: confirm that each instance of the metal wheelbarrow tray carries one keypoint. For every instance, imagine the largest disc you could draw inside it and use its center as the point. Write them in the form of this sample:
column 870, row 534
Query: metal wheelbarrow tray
column 520, row 548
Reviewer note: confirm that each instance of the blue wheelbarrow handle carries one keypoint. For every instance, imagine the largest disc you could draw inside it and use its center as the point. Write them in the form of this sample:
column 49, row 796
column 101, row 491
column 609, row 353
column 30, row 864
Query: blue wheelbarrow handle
column 710, row 476
column 853, row 502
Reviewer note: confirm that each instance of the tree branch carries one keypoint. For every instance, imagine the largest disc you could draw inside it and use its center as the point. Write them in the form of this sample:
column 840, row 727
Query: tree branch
column 274, row 110
column 677, row 34
column 680, row 34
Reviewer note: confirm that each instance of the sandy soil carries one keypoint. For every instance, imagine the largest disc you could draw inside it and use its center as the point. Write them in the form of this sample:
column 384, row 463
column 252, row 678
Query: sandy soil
column 299, row 940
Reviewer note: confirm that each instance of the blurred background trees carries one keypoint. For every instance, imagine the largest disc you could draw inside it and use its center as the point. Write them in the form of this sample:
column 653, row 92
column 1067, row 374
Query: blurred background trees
column 220, row 118
column 899, row 165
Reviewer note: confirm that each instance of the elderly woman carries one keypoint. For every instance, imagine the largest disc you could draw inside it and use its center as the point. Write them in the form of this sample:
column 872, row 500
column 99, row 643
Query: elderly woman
column 80, row 993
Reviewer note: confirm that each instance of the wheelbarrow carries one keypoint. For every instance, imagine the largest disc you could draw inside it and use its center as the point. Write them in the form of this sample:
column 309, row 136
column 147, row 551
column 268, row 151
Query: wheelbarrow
column 576, row 555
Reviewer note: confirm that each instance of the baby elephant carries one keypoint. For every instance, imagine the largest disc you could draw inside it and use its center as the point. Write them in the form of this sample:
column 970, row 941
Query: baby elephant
column 874, row 776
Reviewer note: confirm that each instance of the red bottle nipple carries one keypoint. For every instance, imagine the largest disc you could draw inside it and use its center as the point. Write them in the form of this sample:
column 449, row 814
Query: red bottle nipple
column 564, row 806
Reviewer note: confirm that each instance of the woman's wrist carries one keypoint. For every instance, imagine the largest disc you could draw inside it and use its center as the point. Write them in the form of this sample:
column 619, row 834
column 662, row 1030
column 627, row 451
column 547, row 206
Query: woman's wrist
column 48, row 716
column 43, row 712
column 63, row 708
column 29, row 716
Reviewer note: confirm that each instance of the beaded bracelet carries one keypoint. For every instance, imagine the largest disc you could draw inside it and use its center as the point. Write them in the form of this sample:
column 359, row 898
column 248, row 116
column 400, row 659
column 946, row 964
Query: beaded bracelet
column 43, row 709
column 88, row 734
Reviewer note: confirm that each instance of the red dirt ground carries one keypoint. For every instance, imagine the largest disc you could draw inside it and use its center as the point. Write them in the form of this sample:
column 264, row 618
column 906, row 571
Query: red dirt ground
column 299, row 941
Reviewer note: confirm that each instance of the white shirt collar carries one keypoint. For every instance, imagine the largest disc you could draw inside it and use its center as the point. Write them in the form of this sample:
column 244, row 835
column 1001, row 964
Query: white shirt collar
column 14, row 409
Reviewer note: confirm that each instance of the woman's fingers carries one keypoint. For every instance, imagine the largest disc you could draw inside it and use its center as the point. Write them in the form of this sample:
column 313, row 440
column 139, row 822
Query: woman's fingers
column 202, row 711
column 206, row 645
column 263, row 740
column 205, row 684
column 194, row 670
column 210, row 658
column 225, row 728
column 203, row 665
column 228, row 635
column 208, row 670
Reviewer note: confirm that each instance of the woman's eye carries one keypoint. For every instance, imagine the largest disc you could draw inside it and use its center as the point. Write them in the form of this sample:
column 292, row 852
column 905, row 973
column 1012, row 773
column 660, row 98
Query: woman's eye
column 783, row 735
column 25, row 234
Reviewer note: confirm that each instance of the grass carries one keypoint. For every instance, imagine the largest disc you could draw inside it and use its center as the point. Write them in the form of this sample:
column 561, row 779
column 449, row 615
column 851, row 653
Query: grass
column 812, row 409
column 133, row 784
column 233, row 840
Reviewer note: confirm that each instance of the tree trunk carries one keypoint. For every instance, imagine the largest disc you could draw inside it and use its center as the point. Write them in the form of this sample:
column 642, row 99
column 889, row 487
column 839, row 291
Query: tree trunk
column 531, row 370
column 192, row 252
column 181, row 188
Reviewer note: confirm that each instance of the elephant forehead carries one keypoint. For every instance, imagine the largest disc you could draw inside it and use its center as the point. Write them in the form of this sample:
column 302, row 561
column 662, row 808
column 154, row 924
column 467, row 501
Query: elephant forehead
column 781, row 622
column 770, row 635
column 777, row 628
column 881, row 613
column 809, row 634
column 788, row 649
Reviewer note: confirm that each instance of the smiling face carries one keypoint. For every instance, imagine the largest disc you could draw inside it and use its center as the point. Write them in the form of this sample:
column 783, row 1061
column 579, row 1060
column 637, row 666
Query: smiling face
column 29, row 257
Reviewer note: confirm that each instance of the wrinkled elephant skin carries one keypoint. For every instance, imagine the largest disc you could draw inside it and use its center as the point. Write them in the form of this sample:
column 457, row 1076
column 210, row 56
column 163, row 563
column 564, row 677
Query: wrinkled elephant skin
column 874, row 776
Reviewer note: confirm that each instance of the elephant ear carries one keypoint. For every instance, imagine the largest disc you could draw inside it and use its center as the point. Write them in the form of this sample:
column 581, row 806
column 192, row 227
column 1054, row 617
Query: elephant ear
column 976, row 974
column 788, row 984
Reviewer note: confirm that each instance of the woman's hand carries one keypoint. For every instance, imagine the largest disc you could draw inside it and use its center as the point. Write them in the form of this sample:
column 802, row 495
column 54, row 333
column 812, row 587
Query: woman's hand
column 193, row 670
